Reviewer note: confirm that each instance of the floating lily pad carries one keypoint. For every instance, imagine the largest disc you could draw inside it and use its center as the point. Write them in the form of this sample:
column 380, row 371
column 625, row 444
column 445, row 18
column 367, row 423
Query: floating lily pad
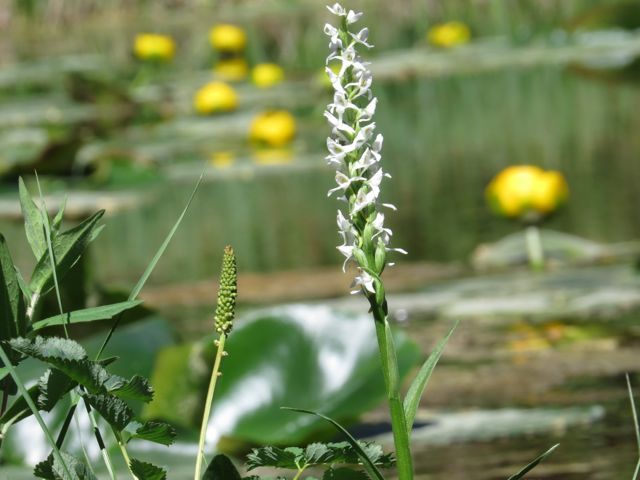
column 310, row 357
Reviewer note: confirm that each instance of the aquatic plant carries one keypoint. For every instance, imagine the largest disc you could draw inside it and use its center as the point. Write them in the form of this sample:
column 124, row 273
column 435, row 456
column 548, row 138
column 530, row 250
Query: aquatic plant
column 274, row 128
column 265, row 75
column 215, row 97
column 227, row 38
column 449, row 34
column 154, row 47
column 529, row 194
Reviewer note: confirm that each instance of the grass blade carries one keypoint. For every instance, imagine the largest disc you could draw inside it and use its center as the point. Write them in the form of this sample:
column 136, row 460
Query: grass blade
column 368, row 465
column 154, row 261
column 534, row 464
column 103, row 312
column 412, row 399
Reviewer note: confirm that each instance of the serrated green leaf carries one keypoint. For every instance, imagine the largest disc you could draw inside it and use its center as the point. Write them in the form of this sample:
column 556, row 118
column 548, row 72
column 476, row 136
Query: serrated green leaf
column 67, row 356
column 12, row 306
column 416, row 390
column 317, row 453
column 157, row 432
column 534, row 464
column 50, row 469
column 115, row 411
column 344, row 474
column 103, row 312
column 52, row 386
column 221, row 468
column 368, row 465
column 147, row 471
column 138, row 388
column 271, row 456
column 33, row 225
column 67, row 249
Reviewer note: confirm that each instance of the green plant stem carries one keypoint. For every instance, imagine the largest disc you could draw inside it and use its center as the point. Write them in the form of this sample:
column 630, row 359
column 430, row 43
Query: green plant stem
column 100, row 441
column 36, row 413
column 125, row 454
column 392, row 383
column 535, row 251
column 207, row 406
column 300, row 471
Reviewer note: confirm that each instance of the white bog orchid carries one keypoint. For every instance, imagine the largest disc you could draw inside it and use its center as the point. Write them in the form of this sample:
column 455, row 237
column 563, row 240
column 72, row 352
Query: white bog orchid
column 354, row 151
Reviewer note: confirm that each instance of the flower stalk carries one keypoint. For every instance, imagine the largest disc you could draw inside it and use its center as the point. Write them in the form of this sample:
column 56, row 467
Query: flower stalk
column 225, row 313
column 355, row 153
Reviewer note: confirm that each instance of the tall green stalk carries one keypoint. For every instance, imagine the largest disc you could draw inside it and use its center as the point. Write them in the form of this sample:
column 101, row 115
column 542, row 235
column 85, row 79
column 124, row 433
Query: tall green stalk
column 225, row 313
column 355, row 152
column 207, row 406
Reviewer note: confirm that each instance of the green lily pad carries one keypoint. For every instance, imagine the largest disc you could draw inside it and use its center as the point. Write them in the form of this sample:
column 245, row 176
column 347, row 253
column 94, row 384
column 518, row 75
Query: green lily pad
column 311, row 357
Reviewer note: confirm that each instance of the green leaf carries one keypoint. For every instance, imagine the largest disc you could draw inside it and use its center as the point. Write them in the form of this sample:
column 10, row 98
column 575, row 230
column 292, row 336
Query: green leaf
column 147, row 471
column 67, row 356
column 533, row 464
column 138, row 388
column 416, row 390
column 33, row 225
column 52, row 386
column 368, row 465
column 221, row 468
column 12, row 307
column 50, row 469
column 277, row 351
column 270, row 456
column 104, row 312
column 157, row 432
column 57, row 220
column 344, row 474
column 115, row 411
column 317, row 454
column 67, row 249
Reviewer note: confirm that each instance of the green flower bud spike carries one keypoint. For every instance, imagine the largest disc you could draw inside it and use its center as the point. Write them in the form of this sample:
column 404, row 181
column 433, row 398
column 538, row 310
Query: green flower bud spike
column 227, row 292
column 225, row 313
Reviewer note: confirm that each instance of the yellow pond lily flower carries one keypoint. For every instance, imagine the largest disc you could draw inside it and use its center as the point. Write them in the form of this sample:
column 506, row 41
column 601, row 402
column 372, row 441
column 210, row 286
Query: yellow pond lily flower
column 265, row 75
column 449, row 34
column 152, row 46
column 215, row 97
column 231, row 69
column 228, row 38
column 527, row 192
column 274, row 128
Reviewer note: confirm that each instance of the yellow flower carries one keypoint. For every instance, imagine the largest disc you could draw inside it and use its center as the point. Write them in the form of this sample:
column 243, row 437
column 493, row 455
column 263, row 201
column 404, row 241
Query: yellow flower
column 231, row 69
column 551, row 191
column 215, row 97
column 273, row 156
column 222, row 159
column 266, row 75
column 527, row 192
column 227, row 38
column 449, row 34
column 274, row 128
column 151, row 46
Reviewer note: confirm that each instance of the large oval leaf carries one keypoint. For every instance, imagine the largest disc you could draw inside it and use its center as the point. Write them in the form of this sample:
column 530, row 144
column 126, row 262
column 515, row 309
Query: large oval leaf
column 311, row 357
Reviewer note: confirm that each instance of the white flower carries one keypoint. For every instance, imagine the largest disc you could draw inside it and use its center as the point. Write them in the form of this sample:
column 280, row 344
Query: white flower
column 354, row 149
